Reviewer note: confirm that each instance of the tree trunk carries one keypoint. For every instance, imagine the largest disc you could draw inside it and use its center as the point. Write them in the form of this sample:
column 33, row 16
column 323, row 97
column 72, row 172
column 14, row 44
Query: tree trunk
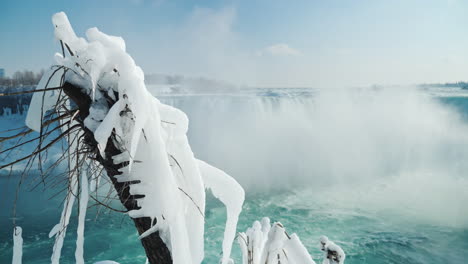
column 156, row 250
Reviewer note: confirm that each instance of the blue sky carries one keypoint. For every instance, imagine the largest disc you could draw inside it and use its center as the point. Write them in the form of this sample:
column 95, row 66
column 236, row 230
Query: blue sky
column 265, row 43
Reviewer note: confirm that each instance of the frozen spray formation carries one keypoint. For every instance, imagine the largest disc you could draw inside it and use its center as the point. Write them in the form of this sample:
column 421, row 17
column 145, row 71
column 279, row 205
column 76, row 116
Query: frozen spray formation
column 270, row 244
column 162, row 169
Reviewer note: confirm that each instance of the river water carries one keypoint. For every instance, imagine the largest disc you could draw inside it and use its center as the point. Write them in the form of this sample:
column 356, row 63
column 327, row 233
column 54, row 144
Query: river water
column 382, row 172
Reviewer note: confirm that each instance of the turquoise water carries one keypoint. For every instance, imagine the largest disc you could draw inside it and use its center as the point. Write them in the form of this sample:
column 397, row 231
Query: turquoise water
column 366, row 237
column 385, row 180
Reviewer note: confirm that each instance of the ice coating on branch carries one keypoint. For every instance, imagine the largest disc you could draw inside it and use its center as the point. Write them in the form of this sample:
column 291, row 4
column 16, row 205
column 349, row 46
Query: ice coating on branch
column 103, row 131
column 265, row 243
column 17, row 245
column 101, row 62
column 84, row 196
column 42, row 102
column 60, row 229
column 111, row 42
column 332, row 253
column 229, row 192
column 297, row 253
column 152, row 138
column 64, row 31
column 323, row 242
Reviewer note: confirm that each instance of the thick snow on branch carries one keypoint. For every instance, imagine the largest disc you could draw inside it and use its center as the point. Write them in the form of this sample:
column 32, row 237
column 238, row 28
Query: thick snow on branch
column 152, row 138
column 270, row 244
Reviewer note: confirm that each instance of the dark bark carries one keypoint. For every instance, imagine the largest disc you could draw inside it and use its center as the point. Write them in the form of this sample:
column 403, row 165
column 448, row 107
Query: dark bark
column 156, row 251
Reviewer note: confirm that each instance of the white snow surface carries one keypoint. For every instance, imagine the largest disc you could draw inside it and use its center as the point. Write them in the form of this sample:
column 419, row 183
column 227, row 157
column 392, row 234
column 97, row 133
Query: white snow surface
column 270, row 244
column 152, row 138
column 17, row 245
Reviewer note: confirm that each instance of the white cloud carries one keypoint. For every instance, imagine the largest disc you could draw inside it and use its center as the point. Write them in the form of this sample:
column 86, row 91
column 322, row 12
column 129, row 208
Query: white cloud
column 280, row 49
column 206, row 44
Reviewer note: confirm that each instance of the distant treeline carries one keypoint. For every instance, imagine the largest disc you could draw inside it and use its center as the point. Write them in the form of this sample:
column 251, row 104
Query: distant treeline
column 179, row 83
column 463, row 85
column 21, row 78
column 16, row 103
column 18, row 82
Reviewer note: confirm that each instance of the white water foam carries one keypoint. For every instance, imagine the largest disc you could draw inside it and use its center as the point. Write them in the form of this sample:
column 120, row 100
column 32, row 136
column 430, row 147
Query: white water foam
column 393, row 149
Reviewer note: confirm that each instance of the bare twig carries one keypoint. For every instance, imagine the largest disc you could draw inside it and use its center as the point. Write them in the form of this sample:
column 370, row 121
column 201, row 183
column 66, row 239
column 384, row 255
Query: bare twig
column 43, row 148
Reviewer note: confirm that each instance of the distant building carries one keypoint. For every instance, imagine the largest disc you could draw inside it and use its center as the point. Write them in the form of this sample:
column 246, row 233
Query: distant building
column 2, row 73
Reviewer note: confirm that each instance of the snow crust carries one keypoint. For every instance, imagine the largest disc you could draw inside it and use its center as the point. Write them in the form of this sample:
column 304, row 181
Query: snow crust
column 152, row 138
column 17, row 245
column 264, row 243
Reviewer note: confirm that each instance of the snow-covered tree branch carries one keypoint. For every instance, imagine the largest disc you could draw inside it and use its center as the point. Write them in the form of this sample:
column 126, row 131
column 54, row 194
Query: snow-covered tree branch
column 110, row 120
column 95, row 98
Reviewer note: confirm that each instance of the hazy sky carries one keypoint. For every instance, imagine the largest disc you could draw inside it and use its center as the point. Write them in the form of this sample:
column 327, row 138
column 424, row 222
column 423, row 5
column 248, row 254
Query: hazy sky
column 263, row 43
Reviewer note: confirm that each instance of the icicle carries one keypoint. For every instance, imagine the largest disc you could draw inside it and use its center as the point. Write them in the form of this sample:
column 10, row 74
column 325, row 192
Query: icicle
column 81, row 218
column 42, row 102
column 229, row 192
column 104, row 130
column 60, row 229
column 17, row 245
